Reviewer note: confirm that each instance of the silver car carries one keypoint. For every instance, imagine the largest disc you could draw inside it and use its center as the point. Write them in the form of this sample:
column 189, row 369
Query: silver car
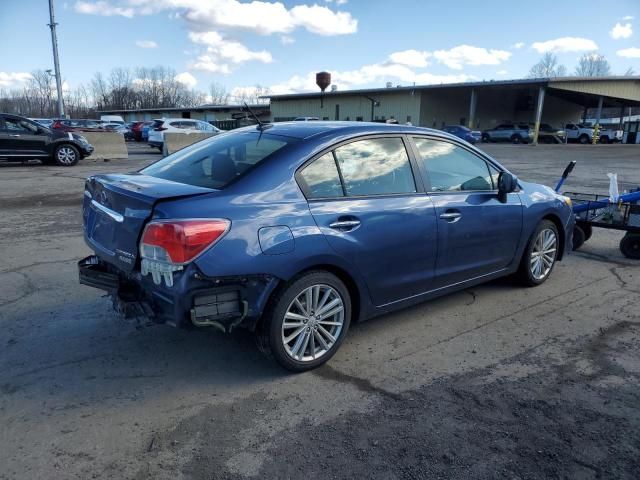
column 508, row 132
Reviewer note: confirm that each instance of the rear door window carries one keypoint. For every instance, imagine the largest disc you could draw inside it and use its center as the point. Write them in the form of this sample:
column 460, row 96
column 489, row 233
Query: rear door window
column 216, row 162
column 375, row 166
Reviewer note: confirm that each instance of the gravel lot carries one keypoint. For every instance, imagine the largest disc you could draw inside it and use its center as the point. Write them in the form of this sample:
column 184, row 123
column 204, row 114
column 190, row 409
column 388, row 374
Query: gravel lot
column 493, row 382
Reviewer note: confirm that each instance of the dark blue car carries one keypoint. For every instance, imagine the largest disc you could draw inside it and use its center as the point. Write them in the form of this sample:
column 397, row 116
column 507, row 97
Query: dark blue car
column 294, row 230
column 466, row 134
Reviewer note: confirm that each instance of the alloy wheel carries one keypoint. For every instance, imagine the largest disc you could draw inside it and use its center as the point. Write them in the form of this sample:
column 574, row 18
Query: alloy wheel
column 543, row 254
column 66, row 155
column 313, row 323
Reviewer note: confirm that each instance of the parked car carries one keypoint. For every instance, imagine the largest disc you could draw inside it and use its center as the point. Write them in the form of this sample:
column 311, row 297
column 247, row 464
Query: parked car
column 549, row 134
column 294, row 230
column 177, row 125
column 306, row 119
column 112, row 119
column 77, row 125
column 466, row 134
column 580, row 132
column 45, row 122
column 23, row 139
column 508, row 132
column 610, row 135
column 137, row 130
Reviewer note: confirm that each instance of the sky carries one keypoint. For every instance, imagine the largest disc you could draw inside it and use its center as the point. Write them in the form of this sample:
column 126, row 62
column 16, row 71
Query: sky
column 281, row 45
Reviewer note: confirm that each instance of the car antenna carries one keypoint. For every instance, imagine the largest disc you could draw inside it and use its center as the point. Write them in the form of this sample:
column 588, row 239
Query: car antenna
column 261, row 125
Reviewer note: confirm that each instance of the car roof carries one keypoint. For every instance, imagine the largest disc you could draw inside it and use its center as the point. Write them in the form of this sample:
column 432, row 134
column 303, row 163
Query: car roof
column 305, row 130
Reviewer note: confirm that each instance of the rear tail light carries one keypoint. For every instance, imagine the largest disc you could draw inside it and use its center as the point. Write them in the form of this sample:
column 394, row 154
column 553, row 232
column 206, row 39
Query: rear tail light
column 166, row 246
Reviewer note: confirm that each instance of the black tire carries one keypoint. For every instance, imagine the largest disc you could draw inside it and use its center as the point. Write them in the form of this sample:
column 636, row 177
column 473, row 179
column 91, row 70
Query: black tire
column 584, row 139
column 66, row 155
column 630, row 246
column 604, row 140
column 485, row 138
column 588, row 230
column 525, row 274
column 579, row 237
column 270, row 333
column 516, row 139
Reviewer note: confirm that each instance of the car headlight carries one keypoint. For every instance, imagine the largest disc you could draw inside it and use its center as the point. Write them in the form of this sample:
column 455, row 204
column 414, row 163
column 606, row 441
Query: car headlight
column 567, row 201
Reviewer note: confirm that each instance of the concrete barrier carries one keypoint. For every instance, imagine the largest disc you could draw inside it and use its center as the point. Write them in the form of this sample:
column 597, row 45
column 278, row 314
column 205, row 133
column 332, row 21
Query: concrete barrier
column 176, row 141
column 106, row 144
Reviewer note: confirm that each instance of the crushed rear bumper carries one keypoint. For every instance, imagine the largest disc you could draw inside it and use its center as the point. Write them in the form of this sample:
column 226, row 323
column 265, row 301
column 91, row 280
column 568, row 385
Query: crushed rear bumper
column 192, row 301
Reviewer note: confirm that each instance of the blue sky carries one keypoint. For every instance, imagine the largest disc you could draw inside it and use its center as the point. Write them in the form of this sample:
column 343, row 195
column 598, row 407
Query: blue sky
column 281, row 44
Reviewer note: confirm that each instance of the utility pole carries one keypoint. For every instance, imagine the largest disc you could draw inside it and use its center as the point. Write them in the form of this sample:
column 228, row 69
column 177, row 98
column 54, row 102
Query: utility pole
column 56, row 63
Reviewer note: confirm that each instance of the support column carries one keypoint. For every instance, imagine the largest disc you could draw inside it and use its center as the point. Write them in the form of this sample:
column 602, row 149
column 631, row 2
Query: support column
column 621, row 123
column 599, row 110
column 539, row 108
column 472, row 108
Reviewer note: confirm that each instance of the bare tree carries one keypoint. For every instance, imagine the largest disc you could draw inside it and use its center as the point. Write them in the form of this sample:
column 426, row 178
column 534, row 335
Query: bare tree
column 218, row 94
column 548, row 67
column 593, row 65
column 630, row 72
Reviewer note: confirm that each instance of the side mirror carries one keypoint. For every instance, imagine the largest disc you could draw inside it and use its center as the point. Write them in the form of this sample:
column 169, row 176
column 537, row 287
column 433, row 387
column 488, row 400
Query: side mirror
column 507, row 183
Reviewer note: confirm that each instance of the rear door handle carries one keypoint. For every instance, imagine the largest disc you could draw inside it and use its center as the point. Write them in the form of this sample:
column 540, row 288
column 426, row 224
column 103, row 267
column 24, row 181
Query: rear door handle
column 345, row 224
column 451, row 217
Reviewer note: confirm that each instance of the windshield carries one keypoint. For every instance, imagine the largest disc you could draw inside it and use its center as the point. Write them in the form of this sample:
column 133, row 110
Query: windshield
column 216, row 162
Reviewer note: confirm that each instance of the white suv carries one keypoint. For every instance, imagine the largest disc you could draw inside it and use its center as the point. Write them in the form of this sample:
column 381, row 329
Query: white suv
column 177, row 125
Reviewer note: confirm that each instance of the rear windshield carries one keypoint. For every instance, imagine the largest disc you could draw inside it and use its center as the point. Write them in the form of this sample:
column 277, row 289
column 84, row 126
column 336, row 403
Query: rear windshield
column 216, row 162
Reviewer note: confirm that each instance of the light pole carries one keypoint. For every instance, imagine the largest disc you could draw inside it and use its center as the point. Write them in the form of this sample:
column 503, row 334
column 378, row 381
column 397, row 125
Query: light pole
column 56, row 63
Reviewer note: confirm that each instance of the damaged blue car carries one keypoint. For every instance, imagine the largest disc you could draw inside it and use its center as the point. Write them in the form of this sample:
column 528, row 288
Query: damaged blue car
column 295, row 230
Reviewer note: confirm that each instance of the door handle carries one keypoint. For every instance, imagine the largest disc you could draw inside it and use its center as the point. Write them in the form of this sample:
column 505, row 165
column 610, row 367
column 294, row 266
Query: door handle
column 345, row 224
column 14, row 135
column 451, row 217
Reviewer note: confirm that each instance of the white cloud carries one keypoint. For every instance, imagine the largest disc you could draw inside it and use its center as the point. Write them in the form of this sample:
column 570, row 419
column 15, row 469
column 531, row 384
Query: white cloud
column 632, row 52
column 621, row 31
column 517, row 45
column 13, row 79
column 104, row 8
column 461, row 55
column 565, row 44
column 222, row 53
column 628, row 17
column 502, row 72
column 287, row 39
column 410, row 58
column 146, row 44
column 186, row 79
column 262, row 17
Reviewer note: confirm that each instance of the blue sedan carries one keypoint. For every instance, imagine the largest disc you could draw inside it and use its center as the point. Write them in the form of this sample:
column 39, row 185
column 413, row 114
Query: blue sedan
column 466, row 134
column 295, row 230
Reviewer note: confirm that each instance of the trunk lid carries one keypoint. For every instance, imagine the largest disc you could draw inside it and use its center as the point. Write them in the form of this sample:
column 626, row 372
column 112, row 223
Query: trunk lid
column 116, row 208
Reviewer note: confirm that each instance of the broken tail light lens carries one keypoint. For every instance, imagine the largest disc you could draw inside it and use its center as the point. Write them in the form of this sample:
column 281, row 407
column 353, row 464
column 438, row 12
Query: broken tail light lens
column 179, row 242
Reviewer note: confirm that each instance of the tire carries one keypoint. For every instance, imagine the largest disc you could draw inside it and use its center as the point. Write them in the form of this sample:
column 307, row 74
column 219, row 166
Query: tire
column 604, row 140
column 485, row 138
column 66, row 155
column 579, row 237
column 516, row 139
column 584, row 139
column 294, row 351
column 630, row 246
column 529, row 273
column 588, row 230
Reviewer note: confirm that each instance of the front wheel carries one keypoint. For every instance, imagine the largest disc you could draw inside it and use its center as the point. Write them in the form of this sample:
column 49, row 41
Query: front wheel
column 516, row 139
column 540, row 255
column 306, row 321
column 66, row 155
column 584, row 139
column 630, row 245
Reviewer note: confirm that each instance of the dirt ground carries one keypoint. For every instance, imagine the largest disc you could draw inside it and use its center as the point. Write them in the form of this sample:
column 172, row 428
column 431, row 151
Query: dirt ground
column 493, row 382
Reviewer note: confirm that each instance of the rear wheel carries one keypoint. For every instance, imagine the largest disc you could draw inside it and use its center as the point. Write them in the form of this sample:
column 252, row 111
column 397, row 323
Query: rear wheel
column 485, row 138
column 66, row 155
column 516, row 139
column 306, row 321
column 584, row 139
column 540, row 255
column 630, row 245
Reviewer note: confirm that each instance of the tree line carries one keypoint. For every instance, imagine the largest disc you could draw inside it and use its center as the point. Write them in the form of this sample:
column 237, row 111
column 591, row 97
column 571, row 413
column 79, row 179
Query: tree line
column 121, row 89
column 589, row 65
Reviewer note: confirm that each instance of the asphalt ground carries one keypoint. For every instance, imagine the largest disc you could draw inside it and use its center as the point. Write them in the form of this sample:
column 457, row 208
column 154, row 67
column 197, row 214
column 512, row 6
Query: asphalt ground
column 493, row 382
